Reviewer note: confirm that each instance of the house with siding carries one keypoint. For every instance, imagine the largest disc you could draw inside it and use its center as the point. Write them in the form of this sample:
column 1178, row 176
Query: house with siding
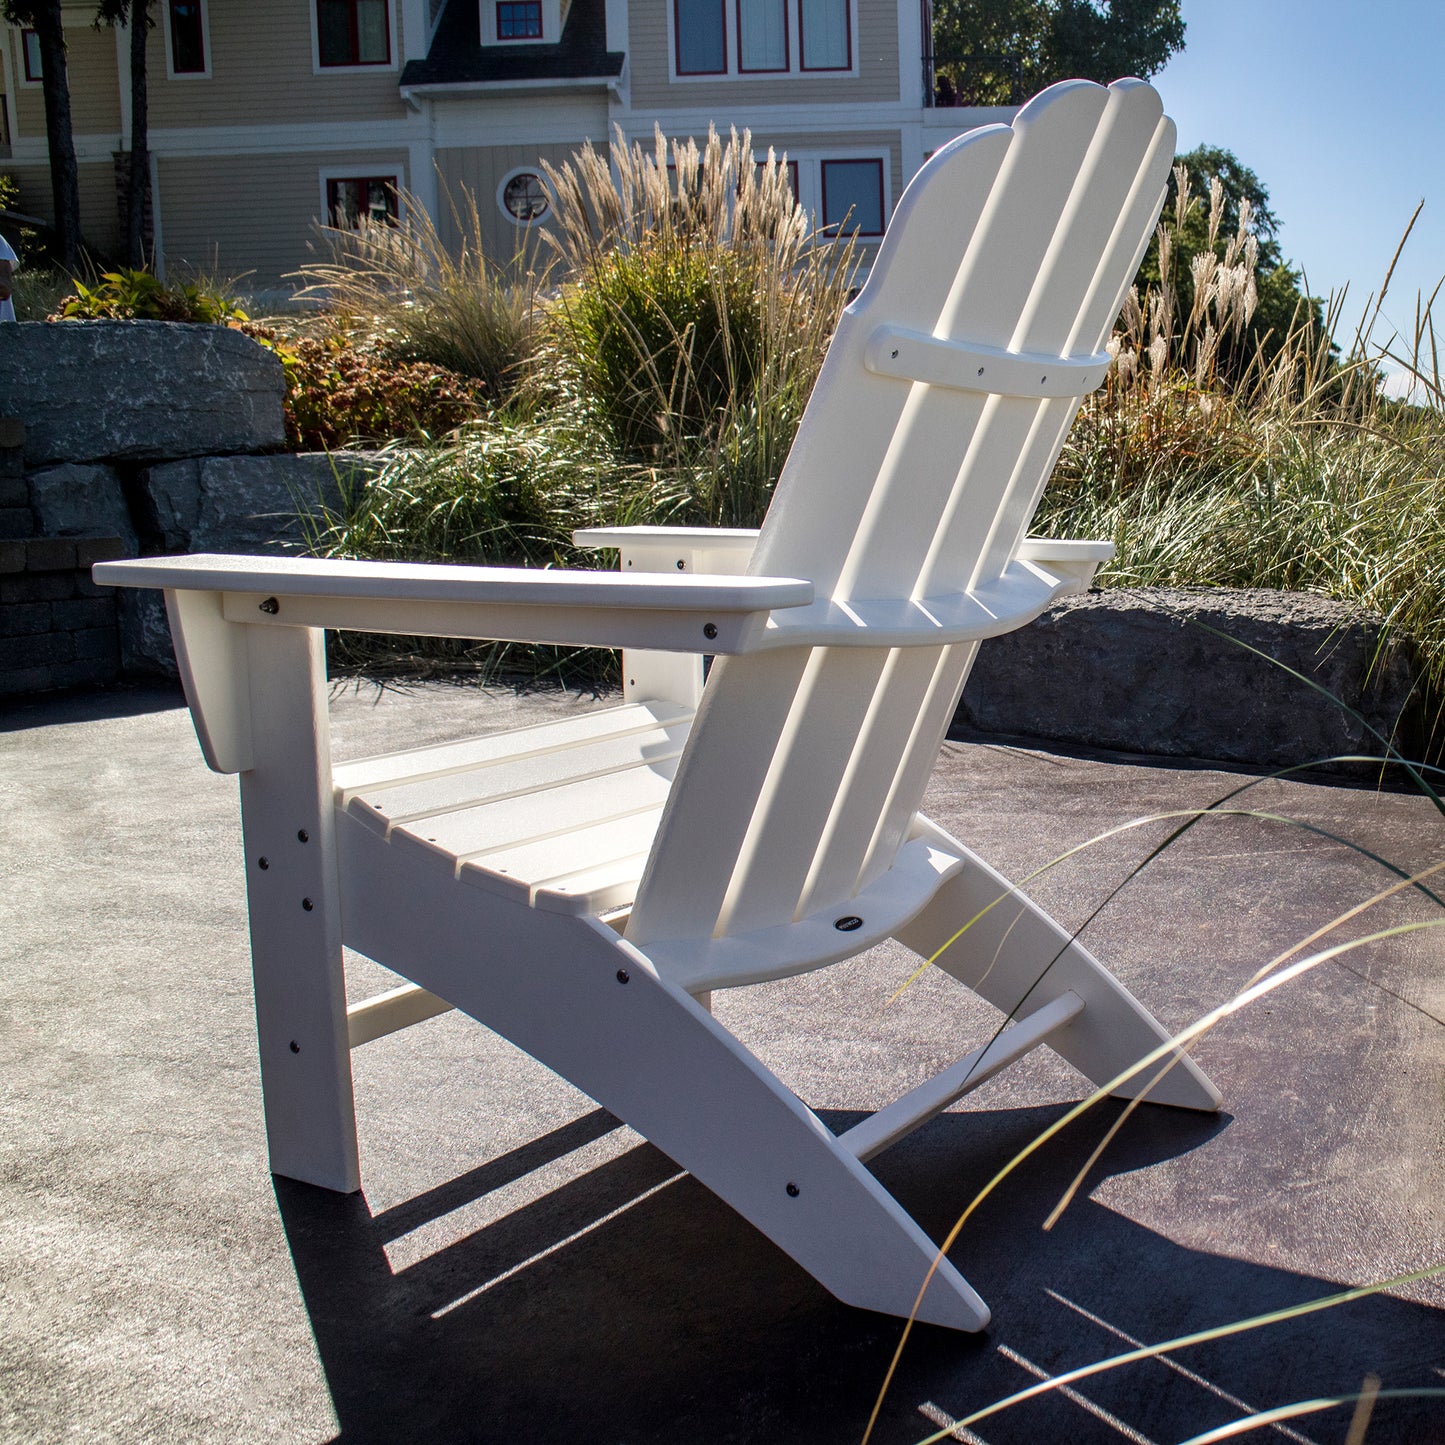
column 349, row 104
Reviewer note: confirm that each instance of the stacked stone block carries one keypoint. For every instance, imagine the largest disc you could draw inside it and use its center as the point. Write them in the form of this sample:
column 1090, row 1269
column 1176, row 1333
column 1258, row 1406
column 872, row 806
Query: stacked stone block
column 128, row 439
column 57, row 628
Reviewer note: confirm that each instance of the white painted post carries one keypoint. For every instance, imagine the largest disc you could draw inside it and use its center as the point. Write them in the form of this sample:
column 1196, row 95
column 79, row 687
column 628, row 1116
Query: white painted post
column 295, row 904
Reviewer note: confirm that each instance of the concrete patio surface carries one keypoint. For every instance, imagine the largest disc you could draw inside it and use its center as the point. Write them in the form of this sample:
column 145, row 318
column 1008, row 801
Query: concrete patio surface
column 521, row 1268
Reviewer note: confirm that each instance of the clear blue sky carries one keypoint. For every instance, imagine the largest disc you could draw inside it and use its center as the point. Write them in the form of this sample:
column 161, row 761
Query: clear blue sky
column 1339, row 107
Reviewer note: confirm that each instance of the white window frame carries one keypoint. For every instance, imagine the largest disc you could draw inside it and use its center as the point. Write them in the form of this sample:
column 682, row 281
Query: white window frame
column 521, row 225
column 733, row 74
column 328, row 174
column 369, row 68
column 171, row 72
column 551, row 25
column 809, row 189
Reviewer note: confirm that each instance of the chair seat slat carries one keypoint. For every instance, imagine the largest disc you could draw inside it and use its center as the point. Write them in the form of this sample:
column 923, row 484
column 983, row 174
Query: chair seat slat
column 416, row 764
column 514, row 821
column 533, row 774
column 550, row 861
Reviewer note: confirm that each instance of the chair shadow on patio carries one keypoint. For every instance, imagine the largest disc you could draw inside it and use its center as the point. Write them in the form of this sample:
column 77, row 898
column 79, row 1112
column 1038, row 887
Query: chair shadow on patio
column 629, row 1304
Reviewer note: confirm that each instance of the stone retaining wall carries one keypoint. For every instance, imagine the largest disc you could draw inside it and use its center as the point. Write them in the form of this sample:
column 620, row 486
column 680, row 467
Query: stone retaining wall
column 57, row 628
column 160, row 437
column 1270, row 679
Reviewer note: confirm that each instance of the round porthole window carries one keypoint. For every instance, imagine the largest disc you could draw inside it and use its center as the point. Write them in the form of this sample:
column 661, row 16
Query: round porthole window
column 524, row 197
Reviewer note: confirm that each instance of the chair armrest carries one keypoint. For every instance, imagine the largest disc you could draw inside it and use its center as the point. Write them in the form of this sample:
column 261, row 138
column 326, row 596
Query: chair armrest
column 1073, row 562
column 723, row 551
column 689, row 613
column 223, row 608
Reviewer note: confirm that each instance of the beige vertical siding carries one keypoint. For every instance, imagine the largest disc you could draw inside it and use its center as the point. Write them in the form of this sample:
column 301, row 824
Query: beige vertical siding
column 480, row 169
column 876, row 81
column 234, row 214
column 262, row 74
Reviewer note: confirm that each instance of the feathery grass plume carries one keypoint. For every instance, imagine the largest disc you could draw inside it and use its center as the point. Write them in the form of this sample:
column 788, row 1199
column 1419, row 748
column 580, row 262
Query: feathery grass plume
column 694, row 315
column 1290, row 469
column 430, row 298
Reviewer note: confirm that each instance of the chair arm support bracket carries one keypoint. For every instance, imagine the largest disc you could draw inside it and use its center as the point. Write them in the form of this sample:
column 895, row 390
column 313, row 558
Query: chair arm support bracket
column 963, row 366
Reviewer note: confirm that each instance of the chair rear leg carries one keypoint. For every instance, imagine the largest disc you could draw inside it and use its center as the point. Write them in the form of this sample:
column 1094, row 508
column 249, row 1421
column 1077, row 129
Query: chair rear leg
column 1019, row 959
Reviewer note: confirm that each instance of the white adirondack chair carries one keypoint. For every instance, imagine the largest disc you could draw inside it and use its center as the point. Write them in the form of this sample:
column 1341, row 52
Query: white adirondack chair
column 581, row 887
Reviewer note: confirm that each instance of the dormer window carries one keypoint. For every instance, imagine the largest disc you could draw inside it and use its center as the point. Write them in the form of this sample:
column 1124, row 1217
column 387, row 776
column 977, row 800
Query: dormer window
column 519, row 19
column 509, row 22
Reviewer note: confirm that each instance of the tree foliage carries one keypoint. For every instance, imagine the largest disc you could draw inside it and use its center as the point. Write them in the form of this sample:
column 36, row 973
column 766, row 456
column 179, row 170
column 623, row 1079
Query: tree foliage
column 1052, row 40
column 1280, row 304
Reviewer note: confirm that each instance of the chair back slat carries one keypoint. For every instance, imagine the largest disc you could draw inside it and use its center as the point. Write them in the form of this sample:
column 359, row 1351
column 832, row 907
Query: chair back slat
column 873, row 776
column 807, row 776
column 806, row 766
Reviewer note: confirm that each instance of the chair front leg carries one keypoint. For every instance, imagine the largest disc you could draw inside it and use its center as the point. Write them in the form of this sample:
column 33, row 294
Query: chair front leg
column 295, row 907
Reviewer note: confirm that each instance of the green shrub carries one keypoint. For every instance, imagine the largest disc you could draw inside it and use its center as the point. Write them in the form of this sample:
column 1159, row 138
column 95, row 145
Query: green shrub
column 128, row 295
column 664, row 340
column 694, row 317
column 339, row 394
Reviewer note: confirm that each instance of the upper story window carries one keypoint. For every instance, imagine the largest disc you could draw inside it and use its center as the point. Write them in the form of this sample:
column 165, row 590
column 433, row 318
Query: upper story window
column 186, row 37
column 701, row 37
column 827, row 35
column 30, row 44
column 519, row 19
column 353, row 32
column 761, row 37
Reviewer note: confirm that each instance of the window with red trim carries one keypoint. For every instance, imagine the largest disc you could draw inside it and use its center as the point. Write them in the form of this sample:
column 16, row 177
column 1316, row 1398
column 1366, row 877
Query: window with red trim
column 762, row 27
column 700, row 28
column 30, row 44
column 351, row 200
column 188, row 37
column 853, row 196
column 519, row 19
column 827, row 39
column 353, row 32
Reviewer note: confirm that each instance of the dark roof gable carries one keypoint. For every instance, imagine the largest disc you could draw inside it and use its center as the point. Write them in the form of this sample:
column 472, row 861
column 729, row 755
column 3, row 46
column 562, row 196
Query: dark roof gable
column 457, row 56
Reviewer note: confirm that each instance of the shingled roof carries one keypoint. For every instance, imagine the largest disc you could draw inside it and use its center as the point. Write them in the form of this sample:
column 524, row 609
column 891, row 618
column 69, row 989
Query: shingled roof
column 457, row 56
